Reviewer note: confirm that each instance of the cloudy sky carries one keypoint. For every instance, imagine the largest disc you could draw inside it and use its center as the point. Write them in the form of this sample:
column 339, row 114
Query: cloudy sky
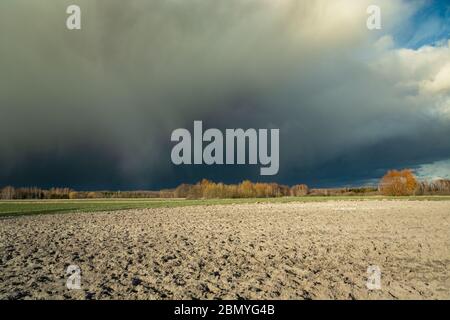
column 95, row 108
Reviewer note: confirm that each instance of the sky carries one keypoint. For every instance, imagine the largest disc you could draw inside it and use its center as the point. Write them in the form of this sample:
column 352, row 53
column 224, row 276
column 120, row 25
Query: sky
column 95, row 108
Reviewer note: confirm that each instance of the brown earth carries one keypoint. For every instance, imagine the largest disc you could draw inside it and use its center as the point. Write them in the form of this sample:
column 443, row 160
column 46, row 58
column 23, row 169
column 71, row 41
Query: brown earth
column 252, row 251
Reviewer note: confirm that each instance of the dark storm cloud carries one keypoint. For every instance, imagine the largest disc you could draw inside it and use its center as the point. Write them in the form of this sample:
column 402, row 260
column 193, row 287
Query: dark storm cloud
column 95, row 108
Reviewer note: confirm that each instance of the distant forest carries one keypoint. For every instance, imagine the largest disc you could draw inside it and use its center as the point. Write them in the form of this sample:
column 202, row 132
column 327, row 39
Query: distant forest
column 394, row 183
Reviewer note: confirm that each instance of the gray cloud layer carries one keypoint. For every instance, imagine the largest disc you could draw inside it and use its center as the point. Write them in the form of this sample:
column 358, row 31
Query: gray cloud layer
column 95, row 108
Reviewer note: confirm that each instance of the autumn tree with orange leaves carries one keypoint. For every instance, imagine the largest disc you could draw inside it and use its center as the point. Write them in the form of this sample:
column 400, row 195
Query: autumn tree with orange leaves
column 398, row 183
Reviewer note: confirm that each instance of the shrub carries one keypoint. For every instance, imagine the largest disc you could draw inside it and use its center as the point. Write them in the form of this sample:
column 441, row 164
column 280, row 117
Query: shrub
column 299, row 190
column 73, row 195
column 7, row 193
column 398, row 183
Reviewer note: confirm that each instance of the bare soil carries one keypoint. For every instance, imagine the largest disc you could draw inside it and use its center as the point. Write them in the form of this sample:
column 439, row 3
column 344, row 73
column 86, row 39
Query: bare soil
column 252, row 251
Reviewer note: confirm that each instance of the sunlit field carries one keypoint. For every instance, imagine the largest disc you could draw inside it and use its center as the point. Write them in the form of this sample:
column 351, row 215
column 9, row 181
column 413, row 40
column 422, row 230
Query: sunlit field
column 284, row 248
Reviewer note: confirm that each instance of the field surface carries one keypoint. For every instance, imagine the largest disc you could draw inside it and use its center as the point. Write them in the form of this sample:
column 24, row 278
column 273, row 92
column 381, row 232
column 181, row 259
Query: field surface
column 287, row 249
column 31, row 207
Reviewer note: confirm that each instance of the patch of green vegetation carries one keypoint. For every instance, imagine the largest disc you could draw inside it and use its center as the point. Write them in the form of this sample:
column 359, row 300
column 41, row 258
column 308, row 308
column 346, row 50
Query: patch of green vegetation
column 30, row 207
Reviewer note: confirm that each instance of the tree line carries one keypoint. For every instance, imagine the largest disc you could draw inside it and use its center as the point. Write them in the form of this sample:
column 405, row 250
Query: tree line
column 405, row 183
column 11, row 193
column 393, row 183
column 246, row 189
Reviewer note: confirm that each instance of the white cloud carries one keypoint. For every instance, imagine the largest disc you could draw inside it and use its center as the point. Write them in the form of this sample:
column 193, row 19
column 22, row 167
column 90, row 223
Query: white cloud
column 422, row 74
column 435, row 170
column 440, row 83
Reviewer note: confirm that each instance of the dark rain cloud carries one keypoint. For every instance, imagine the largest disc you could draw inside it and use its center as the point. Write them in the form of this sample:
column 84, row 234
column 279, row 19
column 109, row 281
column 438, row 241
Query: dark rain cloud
column 95, row 108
